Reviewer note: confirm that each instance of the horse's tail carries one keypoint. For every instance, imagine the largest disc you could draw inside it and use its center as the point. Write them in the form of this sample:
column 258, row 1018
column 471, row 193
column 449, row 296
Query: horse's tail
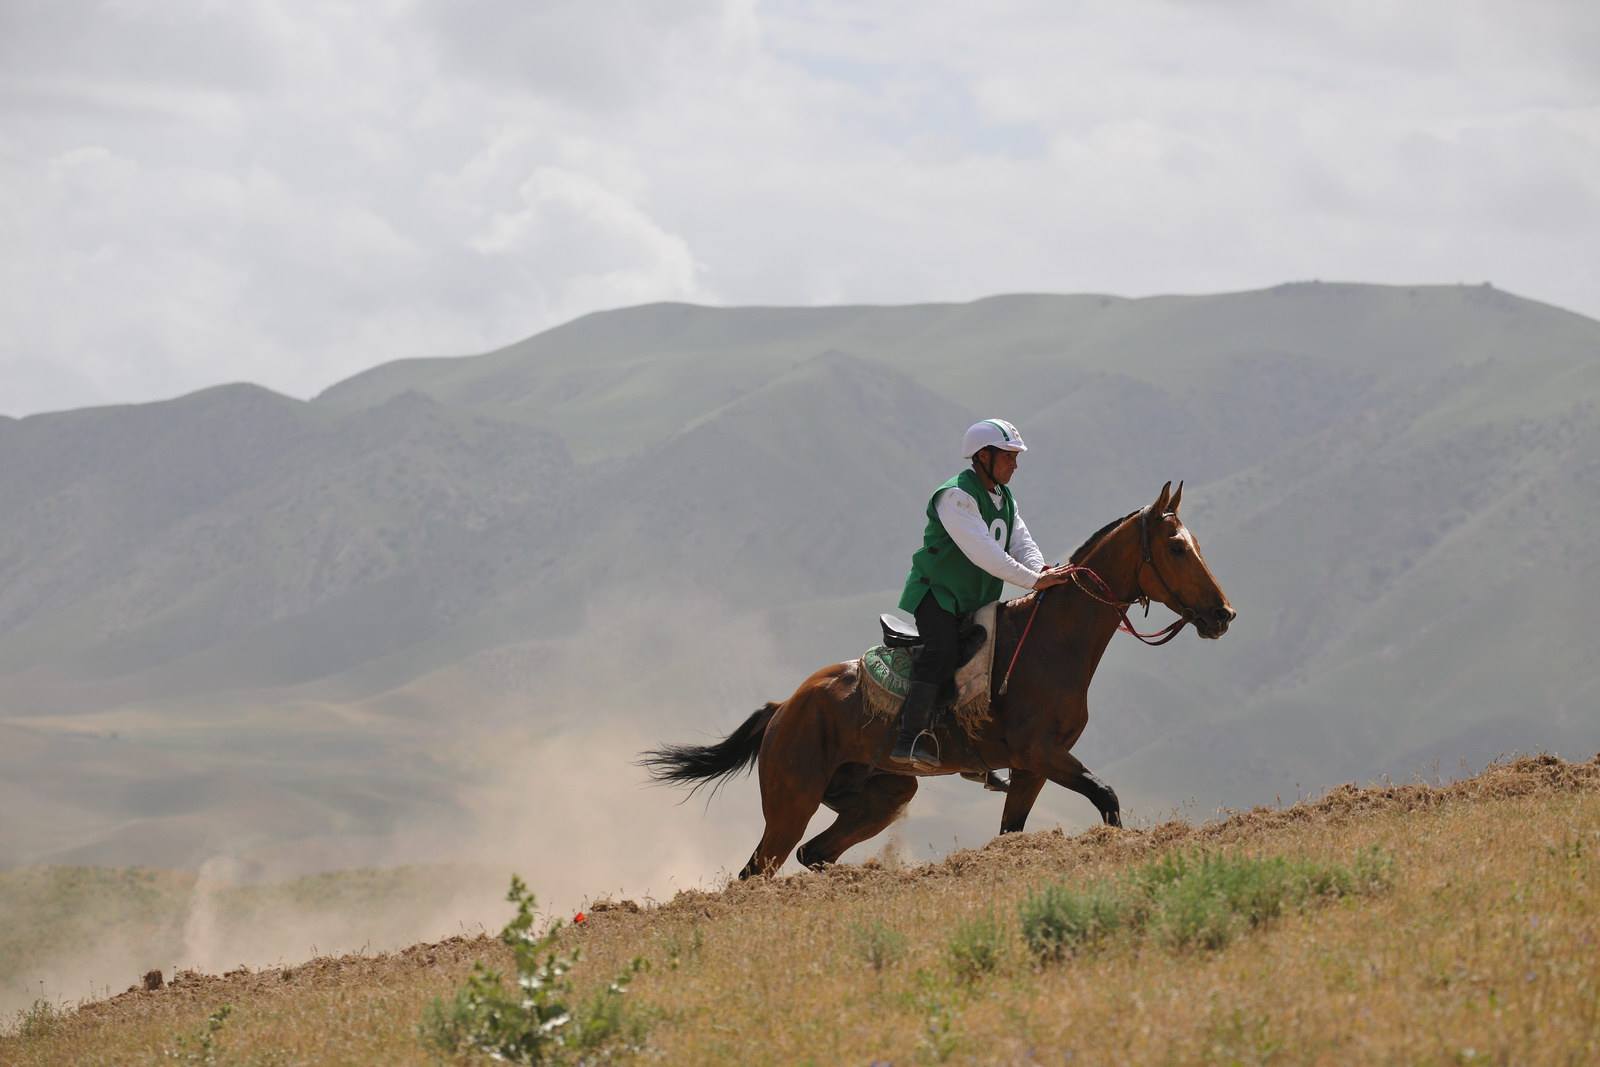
column 717, row 763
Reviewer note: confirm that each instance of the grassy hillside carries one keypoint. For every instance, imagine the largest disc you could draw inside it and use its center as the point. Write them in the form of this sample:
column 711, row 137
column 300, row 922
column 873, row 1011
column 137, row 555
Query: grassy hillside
column 1471, row 937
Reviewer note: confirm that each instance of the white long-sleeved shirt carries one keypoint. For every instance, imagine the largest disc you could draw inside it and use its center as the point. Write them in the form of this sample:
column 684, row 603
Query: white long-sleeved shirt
column 958, row 513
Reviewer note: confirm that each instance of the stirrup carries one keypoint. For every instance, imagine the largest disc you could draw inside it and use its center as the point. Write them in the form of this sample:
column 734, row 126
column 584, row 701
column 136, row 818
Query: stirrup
column 990, row 780
column 911, row 761
column 923, row 763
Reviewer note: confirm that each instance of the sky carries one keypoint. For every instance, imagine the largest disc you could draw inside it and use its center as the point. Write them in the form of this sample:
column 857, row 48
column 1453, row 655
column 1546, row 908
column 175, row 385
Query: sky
column 194, row 192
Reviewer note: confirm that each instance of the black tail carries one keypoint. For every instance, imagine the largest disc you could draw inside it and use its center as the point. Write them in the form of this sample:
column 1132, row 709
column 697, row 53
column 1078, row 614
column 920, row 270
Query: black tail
column 737, row 752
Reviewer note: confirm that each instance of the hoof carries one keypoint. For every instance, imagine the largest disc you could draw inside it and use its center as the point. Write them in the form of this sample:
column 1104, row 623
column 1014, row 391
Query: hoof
column 804, row 859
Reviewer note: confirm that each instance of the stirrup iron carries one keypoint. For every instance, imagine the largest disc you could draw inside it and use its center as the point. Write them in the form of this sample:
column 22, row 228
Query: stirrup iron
column 990, row 780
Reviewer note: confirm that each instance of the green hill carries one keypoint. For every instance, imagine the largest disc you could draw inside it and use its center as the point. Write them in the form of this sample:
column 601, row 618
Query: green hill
column 239, row 624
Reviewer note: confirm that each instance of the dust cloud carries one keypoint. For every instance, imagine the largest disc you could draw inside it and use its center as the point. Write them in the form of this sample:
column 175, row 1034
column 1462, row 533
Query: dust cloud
column 541, row 743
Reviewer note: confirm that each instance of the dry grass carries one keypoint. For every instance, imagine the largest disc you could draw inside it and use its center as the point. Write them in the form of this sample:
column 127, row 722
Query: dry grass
column 1484, row 949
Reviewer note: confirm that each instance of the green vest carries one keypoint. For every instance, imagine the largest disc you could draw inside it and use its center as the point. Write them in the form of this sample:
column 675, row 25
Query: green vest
column 958, row 584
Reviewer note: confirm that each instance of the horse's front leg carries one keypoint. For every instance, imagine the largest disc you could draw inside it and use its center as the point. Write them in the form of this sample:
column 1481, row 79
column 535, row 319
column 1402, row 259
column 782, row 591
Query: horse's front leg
column 1069, row 772
column 1024, row 790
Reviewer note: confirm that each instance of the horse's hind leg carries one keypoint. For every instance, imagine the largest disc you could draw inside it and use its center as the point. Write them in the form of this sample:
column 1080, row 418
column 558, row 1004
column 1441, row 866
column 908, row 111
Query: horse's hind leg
column 792, row 785
column 1078, row 778
column 863, row 813
column 786, row 824
column 1025, row 786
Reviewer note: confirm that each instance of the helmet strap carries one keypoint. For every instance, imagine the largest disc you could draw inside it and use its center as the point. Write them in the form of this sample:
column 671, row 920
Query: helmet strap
column 986, row 464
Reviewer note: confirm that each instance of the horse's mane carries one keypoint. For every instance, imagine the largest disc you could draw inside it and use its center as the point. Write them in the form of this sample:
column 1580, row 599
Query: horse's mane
column 1098, row 536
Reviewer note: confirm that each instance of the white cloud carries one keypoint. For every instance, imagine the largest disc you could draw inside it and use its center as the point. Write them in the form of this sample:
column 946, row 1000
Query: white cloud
column 586, row 242
column 192, row 193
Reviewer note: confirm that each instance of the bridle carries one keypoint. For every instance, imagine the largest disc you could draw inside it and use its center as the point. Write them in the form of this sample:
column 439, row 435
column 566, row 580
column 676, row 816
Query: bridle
column 1077, row 572
column 1186, row 614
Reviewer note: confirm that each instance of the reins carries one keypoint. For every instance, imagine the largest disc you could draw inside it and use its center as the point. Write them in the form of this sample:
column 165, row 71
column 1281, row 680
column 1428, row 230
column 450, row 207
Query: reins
column 1125, row 624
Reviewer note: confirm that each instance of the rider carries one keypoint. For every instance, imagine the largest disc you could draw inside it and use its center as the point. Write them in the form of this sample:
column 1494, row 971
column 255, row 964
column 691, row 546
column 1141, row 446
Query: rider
column 974, row 543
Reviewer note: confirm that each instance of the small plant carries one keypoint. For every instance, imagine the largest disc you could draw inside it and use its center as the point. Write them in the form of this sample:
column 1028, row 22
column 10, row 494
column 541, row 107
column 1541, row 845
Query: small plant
column 201, row 1046
column 38, row 1019
column 532, row 1022
column 1374, row 870
column 1058, row 920
column 1192, row 912
column 939, row 1039
column 879, row 944
column 976, row 947
column 679, row 951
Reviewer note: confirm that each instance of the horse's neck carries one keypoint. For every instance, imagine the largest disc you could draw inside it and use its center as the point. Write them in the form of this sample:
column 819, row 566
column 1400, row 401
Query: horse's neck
column 1088, row 622
column 1116, row 560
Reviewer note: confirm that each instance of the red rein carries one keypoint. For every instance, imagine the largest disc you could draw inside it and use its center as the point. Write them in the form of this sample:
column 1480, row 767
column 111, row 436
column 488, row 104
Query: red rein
column 1159, row 637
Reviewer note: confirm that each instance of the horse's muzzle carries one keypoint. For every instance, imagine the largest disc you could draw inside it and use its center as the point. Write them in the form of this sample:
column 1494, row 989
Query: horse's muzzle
column 1213, row 623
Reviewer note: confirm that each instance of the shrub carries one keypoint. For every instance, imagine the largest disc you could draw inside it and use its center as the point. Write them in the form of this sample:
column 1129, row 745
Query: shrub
column 976, row 947
column 878, row 944
column 201, row 1046
column 1374, row 870
column 1205, row 900
column 38, row 1019
column 933, row 999
column 532, row 1022
column 1190, row 911
column 1058, row 920
column 1191, row 899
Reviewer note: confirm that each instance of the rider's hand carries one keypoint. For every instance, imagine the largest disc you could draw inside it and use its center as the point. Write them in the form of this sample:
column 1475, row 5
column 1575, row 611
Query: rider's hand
column 1052, row 576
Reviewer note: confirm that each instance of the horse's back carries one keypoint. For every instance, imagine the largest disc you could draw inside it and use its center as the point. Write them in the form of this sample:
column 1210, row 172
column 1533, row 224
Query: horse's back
column 830, row 696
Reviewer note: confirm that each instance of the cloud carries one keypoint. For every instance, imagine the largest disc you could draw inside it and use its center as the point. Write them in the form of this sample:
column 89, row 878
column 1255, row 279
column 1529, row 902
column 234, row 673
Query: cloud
column 191, row 193
column 590, row 54
column 603, row 246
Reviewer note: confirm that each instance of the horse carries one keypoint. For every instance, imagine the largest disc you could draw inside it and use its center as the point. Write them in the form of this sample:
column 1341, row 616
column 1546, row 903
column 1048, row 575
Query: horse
column 820, row 747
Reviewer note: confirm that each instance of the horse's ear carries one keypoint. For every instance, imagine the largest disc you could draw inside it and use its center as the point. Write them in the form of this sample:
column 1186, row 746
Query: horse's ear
column 1161, row 501
column 1177, row 498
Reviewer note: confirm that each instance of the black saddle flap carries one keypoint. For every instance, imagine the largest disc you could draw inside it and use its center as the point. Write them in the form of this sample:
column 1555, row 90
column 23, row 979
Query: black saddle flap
column 897, row 633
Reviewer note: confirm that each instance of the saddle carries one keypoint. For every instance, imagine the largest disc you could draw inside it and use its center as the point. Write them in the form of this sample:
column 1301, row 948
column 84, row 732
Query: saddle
column 899, row 633
column 887, row 668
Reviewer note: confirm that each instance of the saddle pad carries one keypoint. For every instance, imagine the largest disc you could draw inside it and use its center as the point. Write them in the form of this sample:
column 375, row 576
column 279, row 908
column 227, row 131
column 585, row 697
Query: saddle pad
column 886, row 677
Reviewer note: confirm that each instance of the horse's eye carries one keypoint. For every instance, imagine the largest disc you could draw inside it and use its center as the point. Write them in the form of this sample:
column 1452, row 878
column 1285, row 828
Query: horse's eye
column 1176, row 545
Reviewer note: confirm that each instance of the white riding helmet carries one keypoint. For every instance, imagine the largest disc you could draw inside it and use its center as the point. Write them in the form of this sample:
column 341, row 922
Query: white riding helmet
column 991, row 432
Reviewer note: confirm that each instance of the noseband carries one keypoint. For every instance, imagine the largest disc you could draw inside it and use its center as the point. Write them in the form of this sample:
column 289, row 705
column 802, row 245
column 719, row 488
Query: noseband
column 1172, row 599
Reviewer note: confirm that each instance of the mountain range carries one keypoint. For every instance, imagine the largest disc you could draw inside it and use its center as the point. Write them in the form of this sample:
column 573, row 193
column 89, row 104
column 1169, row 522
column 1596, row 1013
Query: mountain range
column 240, row 622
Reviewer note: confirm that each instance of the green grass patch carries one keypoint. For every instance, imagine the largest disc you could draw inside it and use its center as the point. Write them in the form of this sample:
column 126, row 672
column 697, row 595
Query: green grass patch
column 976, row 947
column 878, row 944
column 1190, row 900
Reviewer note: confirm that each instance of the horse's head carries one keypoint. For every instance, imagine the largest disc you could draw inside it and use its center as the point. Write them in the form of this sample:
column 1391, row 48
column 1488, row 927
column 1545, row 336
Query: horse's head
column 1175, row 573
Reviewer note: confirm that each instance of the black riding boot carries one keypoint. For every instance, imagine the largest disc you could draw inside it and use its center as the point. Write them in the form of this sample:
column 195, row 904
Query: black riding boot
column 915, row 747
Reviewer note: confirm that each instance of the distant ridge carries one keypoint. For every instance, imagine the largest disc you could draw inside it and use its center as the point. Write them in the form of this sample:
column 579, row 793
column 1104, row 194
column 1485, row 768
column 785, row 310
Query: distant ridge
column 1394, row 484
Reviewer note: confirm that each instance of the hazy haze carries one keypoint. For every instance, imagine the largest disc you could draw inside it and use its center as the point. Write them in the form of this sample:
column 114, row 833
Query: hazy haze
column 286, row 194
